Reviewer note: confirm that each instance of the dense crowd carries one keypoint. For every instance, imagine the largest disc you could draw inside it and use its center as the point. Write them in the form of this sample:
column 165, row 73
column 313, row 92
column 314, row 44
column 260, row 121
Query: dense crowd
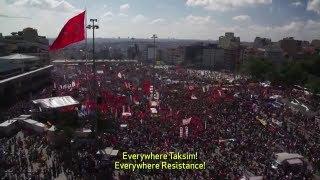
column 235, row 125
column 26, row 156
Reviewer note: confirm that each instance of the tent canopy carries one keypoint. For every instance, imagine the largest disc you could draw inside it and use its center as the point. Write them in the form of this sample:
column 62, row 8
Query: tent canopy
column 35, row 123
column 108, row 151
column 19, row 57
column 285, row 156
column 295, row 161
column 7, row 123
column 56, row 102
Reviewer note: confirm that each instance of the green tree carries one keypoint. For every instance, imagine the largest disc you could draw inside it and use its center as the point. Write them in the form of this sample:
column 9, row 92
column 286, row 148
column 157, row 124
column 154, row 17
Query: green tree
column 257, row 68
column 313, row 84
column 293, row 73
column 305, row 72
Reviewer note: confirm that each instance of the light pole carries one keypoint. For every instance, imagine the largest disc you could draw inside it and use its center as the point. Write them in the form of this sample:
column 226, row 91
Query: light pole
column 82, row 54
column 154, row 37
column 93, row 27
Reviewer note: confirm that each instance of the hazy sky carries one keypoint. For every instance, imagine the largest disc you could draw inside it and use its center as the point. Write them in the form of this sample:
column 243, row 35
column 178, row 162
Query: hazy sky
column 191, row 19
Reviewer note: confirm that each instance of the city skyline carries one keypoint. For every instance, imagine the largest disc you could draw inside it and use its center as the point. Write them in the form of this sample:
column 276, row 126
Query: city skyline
column 180, row 19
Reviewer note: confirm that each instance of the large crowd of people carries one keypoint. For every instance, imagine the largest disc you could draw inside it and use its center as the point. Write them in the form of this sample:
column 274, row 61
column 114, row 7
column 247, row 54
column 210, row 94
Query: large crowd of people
column 234, row 124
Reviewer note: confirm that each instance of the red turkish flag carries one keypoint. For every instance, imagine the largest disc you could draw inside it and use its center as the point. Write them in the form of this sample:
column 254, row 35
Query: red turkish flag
column 72, row 32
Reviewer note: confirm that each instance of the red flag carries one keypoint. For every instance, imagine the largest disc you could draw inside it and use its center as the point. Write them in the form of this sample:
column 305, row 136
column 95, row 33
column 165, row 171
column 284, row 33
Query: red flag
column 72, row 32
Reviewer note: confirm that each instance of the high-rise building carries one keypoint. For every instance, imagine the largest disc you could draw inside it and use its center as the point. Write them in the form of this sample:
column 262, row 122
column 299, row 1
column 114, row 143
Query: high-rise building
column 229, row 41
column 213, row 57
column 149, row 54
column 290, row 46
column 316, row 44
column 233, row 58
column 274, row 54
column 193, row 54
column 133, row 51
column 251, row 52
column 175, row 55
column 116, row 53
column 261, row 42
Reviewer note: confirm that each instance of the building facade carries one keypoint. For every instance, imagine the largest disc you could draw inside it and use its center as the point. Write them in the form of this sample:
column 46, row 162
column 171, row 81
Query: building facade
column 194, row 54
column 316, row 44
column 274, row 53
column 213, row 57
column 229, row 41
column 233, row 58
column 27, row 42
column 175, row 55
column 290, row 46
column 261, row 42
column 251, row 52
column 148, row 55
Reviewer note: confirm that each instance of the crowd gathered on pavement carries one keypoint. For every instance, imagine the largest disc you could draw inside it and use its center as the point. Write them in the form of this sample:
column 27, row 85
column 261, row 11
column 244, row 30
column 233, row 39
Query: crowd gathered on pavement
column 236, row 125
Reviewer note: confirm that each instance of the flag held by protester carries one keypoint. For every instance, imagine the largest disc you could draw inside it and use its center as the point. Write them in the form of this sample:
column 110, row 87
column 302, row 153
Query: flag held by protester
column 72, row 32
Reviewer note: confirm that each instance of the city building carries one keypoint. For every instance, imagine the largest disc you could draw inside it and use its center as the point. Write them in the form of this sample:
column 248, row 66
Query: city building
column 316, row 44
column 103, row 53
column 24, row 64
column 160, row 55
column 261, row 42
column 26, row 42
column 252, row 52
column 229, row 41
column 193, row 54
column 274, row 53
column 213, row 57
column 148, row 55
column 133, row 51
column 116, row 53
column 233, row 58
column 290, row 47
column 175, row 55
column 16, row 64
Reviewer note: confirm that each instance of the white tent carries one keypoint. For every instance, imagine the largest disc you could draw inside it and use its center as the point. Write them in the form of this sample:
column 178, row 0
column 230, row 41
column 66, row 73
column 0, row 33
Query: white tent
column 114, row 153
column 7, row 127
column 8, row 123
column 56, row 102
column 19, row 57
column 286, row 156
column 108, row 151
column 35, row 125
column 25, row 116
column 295, row 161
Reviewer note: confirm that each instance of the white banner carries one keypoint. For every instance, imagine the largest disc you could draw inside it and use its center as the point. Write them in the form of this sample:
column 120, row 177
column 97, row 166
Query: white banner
column 181, row 132
column 187, row 131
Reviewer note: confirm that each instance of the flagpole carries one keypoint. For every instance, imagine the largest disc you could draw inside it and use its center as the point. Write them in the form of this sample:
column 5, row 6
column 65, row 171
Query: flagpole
column 95, row 86
column 86, row 35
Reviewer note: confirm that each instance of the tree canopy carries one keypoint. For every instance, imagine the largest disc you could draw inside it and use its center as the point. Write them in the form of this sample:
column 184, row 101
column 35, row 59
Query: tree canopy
column 303, row 72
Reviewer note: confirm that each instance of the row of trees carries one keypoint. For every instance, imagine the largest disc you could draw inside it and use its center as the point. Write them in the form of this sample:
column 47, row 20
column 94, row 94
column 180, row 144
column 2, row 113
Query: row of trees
column 305, row 73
